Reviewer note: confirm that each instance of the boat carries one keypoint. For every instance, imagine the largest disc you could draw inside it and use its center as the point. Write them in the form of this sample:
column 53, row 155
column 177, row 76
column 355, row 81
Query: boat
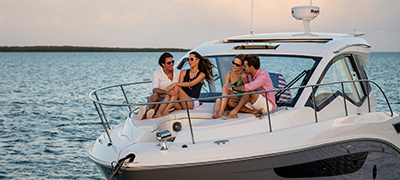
column 326, row 124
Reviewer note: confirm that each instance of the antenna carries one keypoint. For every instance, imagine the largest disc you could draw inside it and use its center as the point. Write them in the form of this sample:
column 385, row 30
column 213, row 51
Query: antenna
column 251, row 25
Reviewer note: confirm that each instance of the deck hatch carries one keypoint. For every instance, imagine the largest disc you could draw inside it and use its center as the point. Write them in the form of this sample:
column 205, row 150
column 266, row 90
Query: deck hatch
column 252, row 47
column 299, row 40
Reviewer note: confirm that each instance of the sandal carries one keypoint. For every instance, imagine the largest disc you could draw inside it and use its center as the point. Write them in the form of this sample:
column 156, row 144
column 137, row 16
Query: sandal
column 260, row 113
column 230, row 116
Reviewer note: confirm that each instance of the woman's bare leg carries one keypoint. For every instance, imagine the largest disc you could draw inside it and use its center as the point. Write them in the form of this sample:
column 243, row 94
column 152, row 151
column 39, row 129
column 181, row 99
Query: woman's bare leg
column 181, row 96
column 177, row 106
column 162, row 107
column 224, row 101
column 153, row 98
column 217, row 106
column 169, row 106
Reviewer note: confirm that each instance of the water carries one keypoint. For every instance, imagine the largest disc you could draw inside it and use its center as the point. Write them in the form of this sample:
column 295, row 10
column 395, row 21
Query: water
column 383, row 68
column 47, row 122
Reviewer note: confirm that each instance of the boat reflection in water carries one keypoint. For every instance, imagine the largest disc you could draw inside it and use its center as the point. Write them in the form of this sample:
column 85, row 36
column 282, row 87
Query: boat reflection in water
column 326, row 124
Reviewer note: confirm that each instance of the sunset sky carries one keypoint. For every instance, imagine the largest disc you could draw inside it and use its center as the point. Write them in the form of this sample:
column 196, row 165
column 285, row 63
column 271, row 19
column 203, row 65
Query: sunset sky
column 185, row 23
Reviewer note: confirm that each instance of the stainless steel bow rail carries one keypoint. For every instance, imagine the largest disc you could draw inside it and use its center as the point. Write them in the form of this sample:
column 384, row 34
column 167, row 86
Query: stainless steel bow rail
column 99, row 105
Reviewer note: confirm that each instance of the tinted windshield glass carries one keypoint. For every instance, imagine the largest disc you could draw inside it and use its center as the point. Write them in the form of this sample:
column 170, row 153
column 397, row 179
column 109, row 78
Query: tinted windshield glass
column 283, row 70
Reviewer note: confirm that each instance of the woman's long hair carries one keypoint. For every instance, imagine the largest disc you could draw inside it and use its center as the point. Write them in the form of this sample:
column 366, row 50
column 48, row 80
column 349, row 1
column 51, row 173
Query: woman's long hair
column 205, row 66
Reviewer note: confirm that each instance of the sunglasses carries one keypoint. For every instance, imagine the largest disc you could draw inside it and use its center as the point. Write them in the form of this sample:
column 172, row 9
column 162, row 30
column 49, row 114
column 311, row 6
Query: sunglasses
column 237, row 65
column 171, row 62
column 192, row 59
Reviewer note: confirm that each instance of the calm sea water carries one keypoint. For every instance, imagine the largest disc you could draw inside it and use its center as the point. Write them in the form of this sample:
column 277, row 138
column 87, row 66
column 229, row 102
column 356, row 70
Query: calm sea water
column 48, row 123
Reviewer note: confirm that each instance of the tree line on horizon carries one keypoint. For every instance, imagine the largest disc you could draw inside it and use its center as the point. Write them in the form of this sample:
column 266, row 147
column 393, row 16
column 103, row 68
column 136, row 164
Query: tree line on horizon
column 84, row 49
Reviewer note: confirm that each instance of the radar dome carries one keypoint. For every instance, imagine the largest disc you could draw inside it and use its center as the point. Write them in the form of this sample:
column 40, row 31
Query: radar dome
column 305, row 12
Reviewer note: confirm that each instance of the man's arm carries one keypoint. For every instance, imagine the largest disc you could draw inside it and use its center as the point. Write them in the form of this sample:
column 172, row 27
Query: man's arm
column 199, row 79
column 159, row 91
column 251, row 86
column 238, row 88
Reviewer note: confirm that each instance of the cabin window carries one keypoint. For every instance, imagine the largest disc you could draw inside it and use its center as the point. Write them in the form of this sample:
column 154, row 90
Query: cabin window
column 342, row 69
column 218, row 81
column 292, row 70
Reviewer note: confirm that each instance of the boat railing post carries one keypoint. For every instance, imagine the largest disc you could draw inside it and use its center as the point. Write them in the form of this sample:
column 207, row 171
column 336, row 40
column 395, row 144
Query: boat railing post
column 269, row 116
column 315, row 107
column 102, row 111
column 105, row 128
column 126, row 99
column 368, row 92
column 344, row 99
column 190, row 122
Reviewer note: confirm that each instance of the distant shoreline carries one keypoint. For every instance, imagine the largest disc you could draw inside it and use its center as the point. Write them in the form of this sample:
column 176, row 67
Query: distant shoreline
column 84, row 49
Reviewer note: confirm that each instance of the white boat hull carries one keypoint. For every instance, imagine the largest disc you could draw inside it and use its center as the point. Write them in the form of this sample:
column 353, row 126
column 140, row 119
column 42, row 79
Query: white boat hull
column 342, row 148
column 358, row 159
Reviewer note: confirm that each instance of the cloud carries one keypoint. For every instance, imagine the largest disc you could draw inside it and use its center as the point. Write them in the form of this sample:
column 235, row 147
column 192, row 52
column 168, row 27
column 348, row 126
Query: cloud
column 51, row 21
column 39, row 19
column 56, row 21
column 126, row 19
column 106, row 17
column 183, row 23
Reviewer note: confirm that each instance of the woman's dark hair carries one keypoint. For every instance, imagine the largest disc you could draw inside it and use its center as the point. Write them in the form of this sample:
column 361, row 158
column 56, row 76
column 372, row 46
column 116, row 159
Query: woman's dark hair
column 205, row 66
column 252, row 61
column 240, row 57
column 162, row 58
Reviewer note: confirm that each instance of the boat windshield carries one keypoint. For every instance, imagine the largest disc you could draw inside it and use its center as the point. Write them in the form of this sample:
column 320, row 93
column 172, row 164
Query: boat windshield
column 284, row 71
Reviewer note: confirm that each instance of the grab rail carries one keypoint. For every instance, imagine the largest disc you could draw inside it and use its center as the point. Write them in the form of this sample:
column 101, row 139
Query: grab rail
column 351, row 45
column 313, row 87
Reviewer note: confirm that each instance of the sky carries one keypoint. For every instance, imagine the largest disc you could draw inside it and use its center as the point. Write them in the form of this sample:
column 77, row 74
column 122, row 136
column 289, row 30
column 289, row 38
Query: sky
column 185, row 23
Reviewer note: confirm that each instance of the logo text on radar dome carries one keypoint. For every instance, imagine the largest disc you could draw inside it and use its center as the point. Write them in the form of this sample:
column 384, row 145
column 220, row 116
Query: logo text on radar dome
column 315, row 11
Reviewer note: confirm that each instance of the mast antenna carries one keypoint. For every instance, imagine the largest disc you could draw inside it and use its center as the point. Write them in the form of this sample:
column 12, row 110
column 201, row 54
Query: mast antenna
column 251, row 25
